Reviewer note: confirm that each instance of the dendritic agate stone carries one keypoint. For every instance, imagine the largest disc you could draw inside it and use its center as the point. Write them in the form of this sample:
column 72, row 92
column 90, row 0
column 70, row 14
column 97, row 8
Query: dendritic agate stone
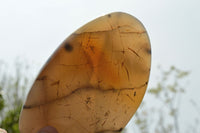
column 94, row 82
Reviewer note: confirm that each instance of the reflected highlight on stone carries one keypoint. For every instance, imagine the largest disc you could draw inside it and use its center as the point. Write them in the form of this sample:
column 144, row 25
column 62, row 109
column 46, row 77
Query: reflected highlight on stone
column 95, row 80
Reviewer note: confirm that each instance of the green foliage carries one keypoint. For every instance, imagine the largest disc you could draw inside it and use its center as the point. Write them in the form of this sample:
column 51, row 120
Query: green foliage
column 10, row 122
column 163, row 114
column 13, row 83
column 1, row 101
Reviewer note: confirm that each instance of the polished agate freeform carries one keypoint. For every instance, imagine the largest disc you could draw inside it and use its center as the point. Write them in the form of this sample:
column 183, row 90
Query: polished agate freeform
column 94, row 82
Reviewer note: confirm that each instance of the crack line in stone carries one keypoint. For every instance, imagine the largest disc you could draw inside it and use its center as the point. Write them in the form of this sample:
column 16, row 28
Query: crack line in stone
column 49, row 102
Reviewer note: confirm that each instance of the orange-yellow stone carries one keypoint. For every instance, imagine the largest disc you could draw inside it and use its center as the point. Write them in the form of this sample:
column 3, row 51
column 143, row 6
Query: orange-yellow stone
column 95, row 80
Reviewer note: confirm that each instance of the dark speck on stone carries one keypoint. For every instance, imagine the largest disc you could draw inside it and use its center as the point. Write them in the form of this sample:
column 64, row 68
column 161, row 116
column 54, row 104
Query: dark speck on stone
column 149, row 51
column 109, row 15
column 68, row 47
